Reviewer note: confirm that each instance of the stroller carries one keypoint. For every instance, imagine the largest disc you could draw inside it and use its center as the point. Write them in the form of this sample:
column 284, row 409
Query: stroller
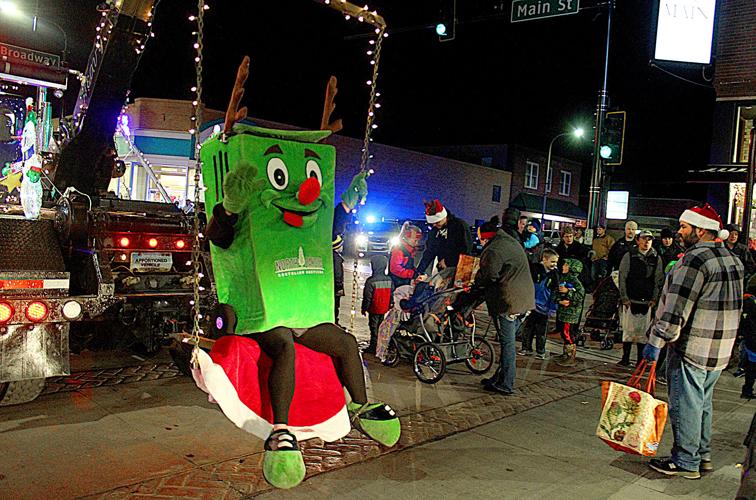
column 436, row 327
column 602, row 320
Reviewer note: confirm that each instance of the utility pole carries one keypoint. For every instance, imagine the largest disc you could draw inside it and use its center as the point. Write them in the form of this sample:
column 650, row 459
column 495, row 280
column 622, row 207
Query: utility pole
column 602, row 104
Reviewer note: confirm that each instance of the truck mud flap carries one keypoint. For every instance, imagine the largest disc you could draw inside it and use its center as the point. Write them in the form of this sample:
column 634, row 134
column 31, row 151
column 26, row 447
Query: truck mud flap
column 34, row 351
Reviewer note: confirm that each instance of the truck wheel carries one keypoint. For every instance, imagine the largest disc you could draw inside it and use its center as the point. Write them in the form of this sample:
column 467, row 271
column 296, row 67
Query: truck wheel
column 20, row 391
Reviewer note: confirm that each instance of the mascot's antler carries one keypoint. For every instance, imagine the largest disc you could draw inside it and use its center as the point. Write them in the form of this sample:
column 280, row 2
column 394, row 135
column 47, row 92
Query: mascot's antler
column 233, row 113
column 328, row 106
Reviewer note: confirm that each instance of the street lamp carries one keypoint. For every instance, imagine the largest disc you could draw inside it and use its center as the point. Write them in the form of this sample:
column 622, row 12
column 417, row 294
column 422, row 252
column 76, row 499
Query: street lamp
column 9, row 9
column 577, row 133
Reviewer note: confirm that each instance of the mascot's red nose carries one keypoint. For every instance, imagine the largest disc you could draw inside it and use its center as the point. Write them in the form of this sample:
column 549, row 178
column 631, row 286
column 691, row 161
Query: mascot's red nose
column 309, row 191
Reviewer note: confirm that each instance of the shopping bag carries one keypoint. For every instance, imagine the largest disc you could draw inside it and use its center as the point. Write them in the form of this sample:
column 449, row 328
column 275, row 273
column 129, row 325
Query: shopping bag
column 634, row 326
column 467, row 268
column 632, row 419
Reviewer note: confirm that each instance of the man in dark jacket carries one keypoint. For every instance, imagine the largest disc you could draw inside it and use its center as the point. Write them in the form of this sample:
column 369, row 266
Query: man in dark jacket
column 504, row 276
column 568, row 248
column 622, row 245
column 739, row 249
column 449, row 238
column 510, row 223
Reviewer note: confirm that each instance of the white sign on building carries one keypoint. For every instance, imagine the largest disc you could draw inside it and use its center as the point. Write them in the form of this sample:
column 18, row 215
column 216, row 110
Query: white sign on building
column 684, row 30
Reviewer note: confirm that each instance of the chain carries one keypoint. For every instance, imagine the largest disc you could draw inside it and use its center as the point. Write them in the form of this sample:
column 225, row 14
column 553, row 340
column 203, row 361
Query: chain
column 365, row 159
column 196, row 121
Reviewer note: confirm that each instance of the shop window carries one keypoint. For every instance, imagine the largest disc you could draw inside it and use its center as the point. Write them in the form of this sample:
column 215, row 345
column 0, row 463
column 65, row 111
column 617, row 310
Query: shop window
column 486, row 161
column 531, row 175
column 746, row 116
column 496, row 196
column 565, row 183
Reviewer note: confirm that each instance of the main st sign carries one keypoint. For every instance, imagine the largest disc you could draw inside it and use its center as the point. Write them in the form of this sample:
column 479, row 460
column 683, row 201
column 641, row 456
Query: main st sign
column 527, row 10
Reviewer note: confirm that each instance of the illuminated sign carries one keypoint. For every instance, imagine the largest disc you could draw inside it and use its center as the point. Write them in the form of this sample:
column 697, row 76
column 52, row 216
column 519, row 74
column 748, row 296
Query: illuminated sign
column 616, row 204
column 684, row 30
column 13, row 54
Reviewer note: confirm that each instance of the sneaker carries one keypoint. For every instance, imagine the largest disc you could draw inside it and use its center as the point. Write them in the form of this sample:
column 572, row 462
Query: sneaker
column 493, row 388
column 738, row 373
column 706, row 465
column 525, row 352
column 623, row 362
column 667, row 467
column 542, row 355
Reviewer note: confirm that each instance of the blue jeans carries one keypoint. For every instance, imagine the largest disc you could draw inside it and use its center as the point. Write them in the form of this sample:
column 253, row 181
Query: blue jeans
column 690, row 410
column 506, row 328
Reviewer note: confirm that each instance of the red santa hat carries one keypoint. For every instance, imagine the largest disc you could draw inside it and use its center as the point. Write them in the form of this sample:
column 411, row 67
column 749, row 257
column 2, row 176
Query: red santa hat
column 705, row 217
column 434, row 211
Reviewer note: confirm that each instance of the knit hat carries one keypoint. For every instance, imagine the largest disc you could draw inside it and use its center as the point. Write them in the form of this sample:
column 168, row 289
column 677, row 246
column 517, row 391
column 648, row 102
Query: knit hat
column 510, row 217
column 434, row 211
column 488, row 229
column 732, row 227
column 535, row 223
column 667, row 233
column 705, row 217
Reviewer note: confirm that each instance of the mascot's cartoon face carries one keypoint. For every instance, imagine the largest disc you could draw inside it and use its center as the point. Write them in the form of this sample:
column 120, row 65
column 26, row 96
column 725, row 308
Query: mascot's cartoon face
column 294, row 174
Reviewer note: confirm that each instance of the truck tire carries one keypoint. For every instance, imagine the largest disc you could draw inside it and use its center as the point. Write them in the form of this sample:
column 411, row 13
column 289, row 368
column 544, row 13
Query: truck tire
column 20, row 391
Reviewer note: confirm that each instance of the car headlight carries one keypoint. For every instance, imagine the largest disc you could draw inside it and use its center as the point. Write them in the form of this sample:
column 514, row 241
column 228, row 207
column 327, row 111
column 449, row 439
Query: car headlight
column 394, row 241
column 361, row 240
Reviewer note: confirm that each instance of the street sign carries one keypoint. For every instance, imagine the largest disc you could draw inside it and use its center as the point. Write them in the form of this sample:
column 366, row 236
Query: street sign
column 528, row 10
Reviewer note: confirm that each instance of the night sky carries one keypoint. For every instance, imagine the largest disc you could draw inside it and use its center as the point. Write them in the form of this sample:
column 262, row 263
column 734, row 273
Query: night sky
column 496, row 83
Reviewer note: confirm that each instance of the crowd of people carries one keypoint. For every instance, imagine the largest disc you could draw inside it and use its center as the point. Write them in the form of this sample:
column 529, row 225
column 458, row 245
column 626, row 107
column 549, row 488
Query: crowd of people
column 681, row 297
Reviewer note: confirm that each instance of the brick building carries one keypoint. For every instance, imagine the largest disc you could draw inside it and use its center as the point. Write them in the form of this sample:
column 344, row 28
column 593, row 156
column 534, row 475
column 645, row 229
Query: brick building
column 735, row 110
column 402, row 179
column 527, row 167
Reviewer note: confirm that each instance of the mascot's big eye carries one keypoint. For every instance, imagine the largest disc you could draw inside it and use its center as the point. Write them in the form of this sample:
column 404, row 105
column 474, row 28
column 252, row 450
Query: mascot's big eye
column 278, row 174
column 312, row 169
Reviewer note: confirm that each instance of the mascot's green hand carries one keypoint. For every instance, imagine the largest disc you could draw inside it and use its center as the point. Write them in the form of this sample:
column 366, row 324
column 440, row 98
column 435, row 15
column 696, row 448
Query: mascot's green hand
column 33, row 176
column 239, row 187
column 357, row 190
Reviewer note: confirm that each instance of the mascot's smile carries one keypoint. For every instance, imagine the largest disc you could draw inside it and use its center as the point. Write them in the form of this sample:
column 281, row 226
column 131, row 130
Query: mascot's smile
column 297, row 215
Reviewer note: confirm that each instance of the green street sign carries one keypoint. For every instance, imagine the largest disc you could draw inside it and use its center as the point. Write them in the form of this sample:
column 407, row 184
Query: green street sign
column 528, row 10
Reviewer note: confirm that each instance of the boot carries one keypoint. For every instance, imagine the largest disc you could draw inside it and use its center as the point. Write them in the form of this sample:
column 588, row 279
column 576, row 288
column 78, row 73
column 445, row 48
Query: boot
column 569, row 360
column 562, row 356
column 283, row 465
column 378, row 420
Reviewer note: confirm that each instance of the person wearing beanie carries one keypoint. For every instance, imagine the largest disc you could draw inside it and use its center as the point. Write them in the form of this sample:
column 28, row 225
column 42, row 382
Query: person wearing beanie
column 449, row 238
column 697, row 317
column 504, row 278
column 601, row 245
column 510, row 223
column 376, row 298
column 622, row 245
column 739, row 249
column 568, row 248
column 667, row 248
column 402, row 268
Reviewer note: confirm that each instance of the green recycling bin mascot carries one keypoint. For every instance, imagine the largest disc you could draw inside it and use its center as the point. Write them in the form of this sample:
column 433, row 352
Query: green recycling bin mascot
column 271, row 196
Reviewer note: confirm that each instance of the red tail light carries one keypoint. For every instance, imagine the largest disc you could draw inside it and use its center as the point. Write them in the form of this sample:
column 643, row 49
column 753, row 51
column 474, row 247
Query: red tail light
column 36, row 311
column 124, row 242
column 153, row 242
column 180, row 244
column 6, row 312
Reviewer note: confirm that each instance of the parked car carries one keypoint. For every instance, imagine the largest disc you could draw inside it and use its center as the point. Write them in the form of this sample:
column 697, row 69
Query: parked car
column 552, row 237
column 374, row 237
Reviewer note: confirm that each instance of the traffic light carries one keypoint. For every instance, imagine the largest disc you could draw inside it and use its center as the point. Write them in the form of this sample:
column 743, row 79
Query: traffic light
column 447, row 20
column 613, row 137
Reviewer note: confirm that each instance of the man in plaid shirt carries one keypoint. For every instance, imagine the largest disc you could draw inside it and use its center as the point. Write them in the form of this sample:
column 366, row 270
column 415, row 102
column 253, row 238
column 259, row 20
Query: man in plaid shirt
column 698, row 317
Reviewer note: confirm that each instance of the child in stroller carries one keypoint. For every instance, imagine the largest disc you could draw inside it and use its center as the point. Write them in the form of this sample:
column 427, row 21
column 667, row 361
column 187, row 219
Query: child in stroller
column 602, row 320
column 424, row 326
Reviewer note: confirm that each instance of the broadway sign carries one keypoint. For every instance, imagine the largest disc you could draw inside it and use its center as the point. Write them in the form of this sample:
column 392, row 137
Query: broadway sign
column 15, row 55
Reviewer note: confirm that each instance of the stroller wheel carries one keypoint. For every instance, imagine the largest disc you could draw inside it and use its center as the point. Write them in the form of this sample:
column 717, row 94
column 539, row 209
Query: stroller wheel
column 606, row 344
column 581, row 340
column 392, row 353
column 429, row 363
column 480, row 357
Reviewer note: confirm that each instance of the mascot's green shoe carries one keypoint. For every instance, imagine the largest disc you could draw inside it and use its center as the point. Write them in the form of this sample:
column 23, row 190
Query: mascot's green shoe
column 283, row 466
column 377, row 420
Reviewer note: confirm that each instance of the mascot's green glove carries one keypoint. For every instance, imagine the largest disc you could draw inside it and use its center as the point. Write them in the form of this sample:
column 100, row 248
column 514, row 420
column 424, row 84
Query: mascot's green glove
column 238, row 188
column 33, row 175
column 357, row 190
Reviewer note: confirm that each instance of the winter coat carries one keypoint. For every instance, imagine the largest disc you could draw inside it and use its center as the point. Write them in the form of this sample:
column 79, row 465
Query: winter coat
column 338, row 273
column 747, row 327
column 601, row 246
column 376, row 296
column 402, row 264
column 641, row 278
column 447, row 244
column 670, row 253
column 545, row 283
column 575, row 294
column 741, row 252
column 504, row 276
column 532, row 241
column 618, row 250
column 576, row 251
